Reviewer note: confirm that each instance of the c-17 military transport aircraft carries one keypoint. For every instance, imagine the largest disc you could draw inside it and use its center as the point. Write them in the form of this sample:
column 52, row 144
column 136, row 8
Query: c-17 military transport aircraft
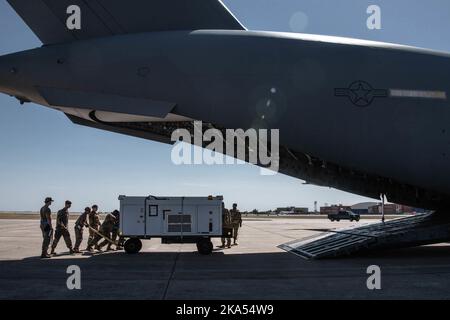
column 364, row 117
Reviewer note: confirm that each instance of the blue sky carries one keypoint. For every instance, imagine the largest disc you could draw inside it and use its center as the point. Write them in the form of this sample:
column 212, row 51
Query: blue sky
column 43, row 154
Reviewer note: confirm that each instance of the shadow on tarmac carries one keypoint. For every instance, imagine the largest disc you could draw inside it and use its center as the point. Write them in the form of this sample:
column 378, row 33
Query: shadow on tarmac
column 420, row 272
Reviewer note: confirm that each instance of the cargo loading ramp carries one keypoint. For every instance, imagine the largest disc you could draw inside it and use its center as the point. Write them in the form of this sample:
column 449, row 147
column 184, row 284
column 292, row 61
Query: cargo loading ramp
column 399, row 233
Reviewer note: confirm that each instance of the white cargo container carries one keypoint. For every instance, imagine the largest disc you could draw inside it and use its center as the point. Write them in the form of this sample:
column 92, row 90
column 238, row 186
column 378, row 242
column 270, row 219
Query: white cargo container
column 173, row 219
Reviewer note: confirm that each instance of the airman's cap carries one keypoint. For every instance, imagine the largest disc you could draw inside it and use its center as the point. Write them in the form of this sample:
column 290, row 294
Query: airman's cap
column 48, row 199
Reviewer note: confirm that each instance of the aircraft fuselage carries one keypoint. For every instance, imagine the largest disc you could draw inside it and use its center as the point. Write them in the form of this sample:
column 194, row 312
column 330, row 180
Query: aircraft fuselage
column 375, row 108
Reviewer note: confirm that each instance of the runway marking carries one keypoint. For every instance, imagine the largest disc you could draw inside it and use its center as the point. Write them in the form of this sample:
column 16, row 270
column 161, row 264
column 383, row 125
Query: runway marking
column 275, row 233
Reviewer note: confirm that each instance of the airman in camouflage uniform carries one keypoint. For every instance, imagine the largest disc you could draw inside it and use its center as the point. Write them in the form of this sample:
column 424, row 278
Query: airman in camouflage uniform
column 94, row 222
column 105, row 230
column 46, row 227
column 236, row 220
column 115, row 230
column 62, row 228
column 79, row 228
column 227, row 224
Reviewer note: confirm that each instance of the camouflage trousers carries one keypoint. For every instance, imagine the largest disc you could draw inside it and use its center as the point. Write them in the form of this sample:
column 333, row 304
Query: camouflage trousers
column 78, row 237
column 60, row 232
column 47, row 234
column 92, row 234
column 235, row 231
column 114, row 235
column 97, row 238
column 228, row 242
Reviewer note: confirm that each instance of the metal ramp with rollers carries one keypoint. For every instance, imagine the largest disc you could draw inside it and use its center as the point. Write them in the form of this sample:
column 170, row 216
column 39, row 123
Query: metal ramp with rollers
column 403, row 232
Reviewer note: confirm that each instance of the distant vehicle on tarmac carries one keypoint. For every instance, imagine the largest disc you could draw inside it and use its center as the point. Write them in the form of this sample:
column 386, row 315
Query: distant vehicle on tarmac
column 344, row 215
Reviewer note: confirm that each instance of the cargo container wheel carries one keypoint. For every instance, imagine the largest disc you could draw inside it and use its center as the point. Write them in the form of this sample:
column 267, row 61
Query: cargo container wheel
column 133, row 245
column 205, row 246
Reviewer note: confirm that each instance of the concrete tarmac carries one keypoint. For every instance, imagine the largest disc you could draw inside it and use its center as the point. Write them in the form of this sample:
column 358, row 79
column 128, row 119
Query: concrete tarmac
column 255, row 269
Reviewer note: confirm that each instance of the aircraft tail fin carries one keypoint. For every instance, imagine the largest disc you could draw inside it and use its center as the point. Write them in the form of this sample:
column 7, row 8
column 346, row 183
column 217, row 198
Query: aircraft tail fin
column 102, row 18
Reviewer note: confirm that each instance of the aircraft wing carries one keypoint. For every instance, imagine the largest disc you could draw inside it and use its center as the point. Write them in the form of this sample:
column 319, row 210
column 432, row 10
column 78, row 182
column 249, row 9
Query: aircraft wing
column 102, row 18
column 105, row 102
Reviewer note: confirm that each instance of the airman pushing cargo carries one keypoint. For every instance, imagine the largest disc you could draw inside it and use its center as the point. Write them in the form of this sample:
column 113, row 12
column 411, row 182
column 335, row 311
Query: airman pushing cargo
column 79, row 228
column 115, row 230
column 94, row 222
column 104, row 231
